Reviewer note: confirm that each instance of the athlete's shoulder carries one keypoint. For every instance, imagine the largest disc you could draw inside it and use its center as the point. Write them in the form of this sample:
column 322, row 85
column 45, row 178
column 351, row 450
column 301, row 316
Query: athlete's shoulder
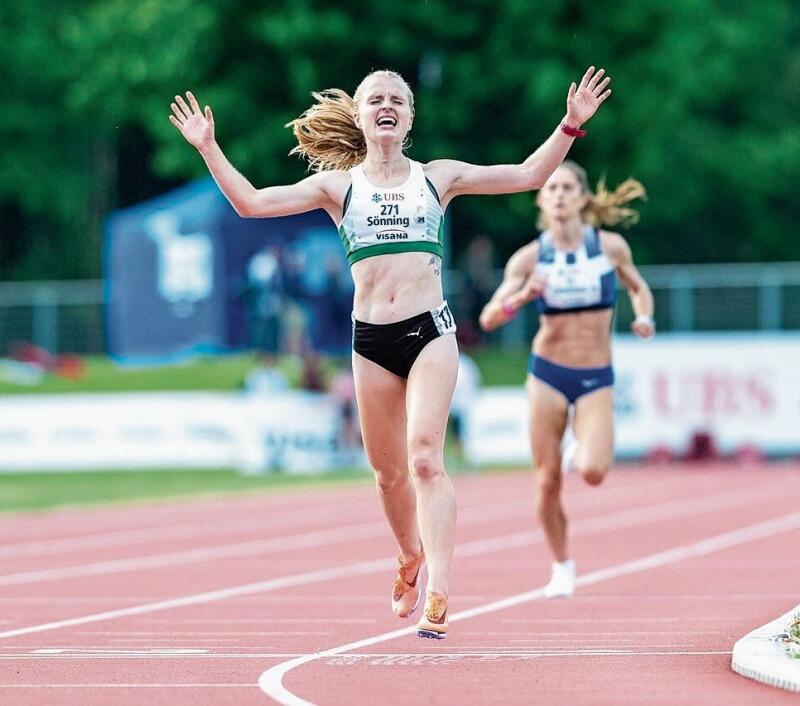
column 614, row 245
column 335, row 176
column 329, row 178
column 524, row 258
column 335, row 182
column 439, row 166
column 442, row 172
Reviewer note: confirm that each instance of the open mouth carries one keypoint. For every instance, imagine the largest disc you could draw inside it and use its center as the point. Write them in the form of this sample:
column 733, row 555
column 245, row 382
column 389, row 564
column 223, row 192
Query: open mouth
column 387, row 121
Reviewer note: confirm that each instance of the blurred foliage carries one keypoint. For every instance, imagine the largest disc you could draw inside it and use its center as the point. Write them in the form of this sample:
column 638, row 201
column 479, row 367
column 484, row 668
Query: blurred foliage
column 703, row 112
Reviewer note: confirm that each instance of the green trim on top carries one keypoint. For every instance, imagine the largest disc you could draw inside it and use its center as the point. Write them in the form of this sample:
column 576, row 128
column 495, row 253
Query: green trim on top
column 388, row 248
column 345, row 241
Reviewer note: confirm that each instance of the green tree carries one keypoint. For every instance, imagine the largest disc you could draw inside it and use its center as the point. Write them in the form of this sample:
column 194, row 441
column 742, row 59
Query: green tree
column 703, row 111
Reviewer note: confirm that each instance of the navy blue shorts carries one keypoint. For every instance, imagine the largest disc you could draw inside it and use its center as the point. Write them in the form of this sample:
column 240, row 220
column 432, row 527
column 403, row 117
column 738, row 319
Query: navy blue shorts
column 396, row 346
column 570, row 382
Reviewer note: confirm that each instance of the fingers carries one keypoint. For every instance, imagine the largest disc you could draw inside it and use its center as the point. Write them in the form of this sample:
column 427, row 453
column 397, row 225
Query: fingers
column 187, row 111
column 598, row 89
column 183, row 111
column 586, row 77
column 593, row 81
column 193, row 102
column 179, row 114
column 572, row 89
column 602, row 97
column 209, row 114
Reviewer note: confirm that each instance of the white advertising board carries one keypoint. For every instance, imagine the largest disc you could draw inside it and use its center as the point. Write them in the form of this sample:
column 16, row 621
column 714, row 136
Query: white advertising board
column 740, row 389
column 294, row 431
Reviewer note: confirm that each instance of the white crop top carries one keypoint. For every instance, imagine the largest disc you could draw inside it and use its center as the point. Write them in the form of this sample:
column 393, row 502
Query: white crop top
column 578, row 280
column 378, row 220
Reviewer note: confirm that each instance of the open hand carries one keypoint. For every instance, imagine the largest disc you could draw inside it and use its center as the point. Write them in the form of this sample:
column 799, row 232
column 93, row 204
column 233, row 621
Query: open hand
column 584, row 100
column 195, row 125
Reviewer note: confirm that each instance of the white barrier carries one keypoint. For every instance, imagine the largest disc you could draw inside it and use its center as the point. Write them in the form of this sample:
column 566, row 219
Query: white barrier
column 763, row 654
column 294, row 431
column 741, row 389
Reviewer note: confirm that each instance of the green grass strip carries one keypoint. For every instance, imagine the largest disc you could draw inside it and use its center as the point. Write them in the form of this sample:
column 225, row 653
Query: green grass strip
column 41, row 491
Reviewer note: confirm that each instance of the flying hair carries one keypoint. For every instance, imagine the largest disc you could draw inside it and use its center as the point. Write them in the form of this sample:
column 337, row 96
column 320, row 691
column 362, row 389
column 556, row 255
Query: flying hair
column 327, row 135
column 604, row 207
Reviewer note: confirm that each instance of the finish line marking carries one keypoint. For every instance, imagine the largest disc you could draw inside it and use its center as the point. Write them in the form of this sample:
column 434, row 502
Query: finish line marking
column 271, row 681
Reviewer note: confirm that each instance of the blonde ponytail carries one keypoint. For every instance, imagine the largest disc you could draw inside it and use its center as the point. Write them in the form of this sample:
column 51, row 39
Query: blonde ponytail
column 604, row 208
column 608, row 207
column 327, row 135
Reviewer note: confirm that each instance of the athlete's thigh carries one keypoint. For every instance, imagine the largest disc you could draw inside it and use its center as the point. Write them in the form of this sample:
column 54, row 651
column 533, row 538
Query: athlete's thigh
column 548, row 419
column 594, row 429
column 430, row 390
column 381, row 398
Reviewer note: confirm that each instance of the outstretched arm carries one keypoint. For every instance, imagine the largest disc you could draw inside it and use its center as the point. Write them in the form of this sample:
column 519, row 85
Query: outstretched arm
column 520, row 285
column 619, row 252
column 197, row 126
column 453, row 178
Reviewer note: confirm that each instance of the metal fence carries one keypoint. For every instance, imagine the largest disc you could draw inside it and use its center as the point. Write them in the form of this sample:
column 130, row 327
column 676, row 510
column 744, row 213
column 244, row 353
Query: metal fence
column 729, row 297
column 62, row 317
column 68, row 317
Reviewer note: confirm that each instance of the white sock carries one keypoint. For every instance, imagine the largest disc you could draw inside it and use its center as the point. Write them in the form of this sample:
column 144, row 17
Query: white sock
column 562, row 580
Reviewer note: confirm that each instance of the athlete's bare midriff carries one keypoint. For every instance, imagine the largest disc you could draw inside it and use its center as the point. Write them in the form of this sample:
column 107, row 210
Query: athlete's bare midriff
column 396, row 286
column 580, row 339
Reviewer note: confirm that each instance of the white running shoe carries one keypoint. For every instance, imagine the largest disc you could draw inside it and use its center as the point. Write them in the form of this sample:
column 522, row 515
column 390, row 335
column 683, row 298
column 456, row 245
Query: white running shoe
column 562, row 580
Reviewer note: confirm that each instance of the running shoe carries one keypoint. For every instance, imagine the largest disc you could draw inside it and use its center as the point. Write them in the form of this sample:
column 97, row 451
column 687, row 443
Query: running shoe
column 562, row 580
column 433, row 622
column 405, row 591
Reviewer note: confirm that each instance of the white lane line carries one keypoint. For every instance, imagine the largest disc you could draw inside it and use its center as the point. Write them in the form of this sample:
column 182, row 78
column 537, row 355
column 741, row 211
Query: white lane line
column 112, row 538
column 116, row 535
column 306, row 540
column 412, row 658
column 290, row 543
column 346, row 571
column 491, row 546
column 176, row 634
column 248, row 621
column 625, row 621
column 120, row 538
column 271, row 681
column 382, row 658
column 316, row 538
column 127, row 686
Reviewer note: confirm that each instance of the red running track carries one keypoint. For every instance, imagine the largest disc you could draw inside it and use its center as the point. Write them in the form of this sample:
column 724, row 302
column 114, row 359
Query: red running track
column 286, row 597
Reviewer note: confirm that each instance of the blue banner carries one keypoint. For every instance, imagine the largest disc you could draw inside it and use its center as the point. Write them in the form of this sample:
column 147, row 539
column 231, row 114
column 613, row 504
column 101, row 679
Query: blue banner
column 185, row 274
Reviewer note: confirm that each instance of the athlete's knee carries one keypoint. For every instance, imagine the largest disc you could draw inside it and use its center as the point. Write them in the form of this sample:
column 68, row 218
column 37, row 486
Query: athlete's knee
column 548, row 487
column 425, row 463
column 388, row 483
column 593, row 474
column 389, row 477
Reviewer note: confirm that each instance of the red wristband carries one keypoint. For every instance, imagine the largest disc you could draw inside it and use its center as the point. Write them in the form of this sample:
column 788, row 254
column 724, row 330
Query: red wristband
column 572, row 131
column 508, row 310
